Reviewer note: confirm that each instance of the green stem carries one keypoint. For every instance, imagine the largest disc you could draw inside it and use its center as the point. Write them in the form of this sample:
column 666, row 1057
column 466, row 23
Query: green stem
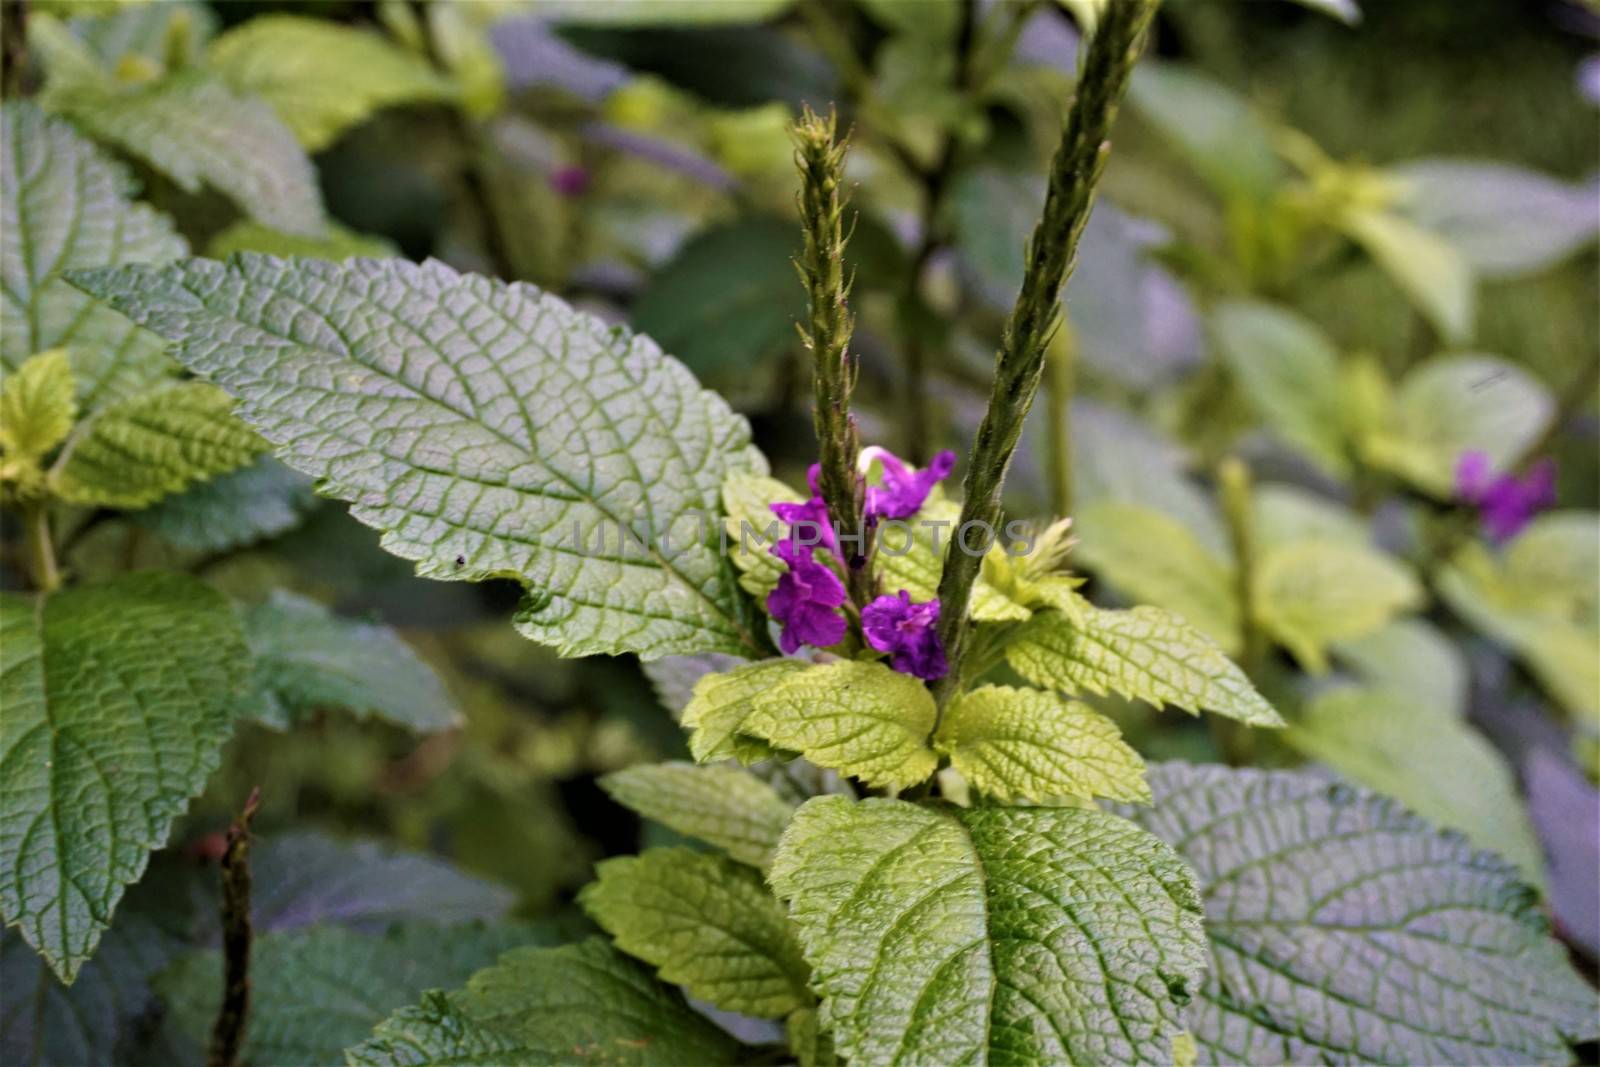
column 1074, row 174
column 1580, row 392
column 820, row 156
column 1235, row 740
column 1061, row 369
column 39, row 547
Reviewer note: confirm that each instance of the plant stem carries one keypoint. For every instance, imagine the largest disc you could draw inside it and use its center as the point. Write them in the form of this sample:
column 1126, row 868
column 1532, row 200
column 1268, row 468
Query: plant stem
column 39, row 547
column 1235, row 740
column 1579, row 392
column 1061, row 369
column 1074, row 173
column 227, row 1033
column 820, row 157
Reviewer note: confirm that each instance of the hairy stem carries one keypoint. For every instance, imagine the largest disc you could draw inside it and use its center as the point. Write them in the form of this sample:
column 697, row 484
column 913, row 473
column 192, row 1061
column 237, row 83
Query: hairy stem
column 1074, row 173
column 227, row 1033
column 1061, row 379
column 39, row 546
column 820, row 157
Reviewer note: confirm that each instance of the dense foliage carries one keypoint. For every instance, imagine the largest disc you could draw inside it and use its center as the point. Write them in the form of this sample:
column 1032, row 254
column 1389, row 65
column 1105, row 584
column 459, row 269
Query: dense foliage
column 1149, row 612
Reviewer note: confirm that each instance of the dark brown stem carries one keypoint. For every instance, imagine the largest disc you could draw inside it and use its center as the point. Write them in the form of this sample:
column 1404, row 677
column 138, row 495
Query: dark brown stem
column 233, row 1017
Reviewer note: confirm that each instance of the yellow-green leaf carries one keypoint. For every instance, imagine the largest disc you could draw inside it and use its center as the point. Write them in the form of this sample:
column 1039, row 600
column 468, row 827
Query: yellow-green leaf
column 1314, row 592
column 720, row 705
column 38, row 404
column 1032, row 745
column 719, row 804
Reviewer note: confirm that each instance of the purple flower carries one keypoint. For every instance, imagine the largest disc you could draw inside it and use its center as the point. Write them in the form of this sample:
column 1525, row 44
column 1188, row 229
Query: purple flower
column 811, row 517
column 903, row 490
column 906, row 631
column 1505, row 502
column 571, row 180
column 806, row 601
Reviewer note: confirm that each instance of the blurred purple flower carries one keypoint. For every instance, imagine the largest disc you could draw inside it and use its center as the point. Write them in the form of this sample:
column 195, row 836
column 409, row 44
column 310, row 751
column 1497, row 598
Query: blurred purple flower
column 806, row 601
column 903, row 490
column 907, row 631
column 1505, row 502
column 571, row 180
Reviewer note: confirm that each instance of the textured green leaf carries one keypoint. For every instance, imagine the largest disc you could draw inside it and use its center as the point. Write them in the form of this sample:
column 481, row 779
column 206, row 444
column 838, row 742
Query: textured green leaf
column 64, row 206
column 1427, row 268
column 1455, row 404
column 1289, row 370
column 308, row 659
column 1506, row 221
column 488, row 429
column 1375, row 737
column 232, row 510
column 719, row 804
column 1144, row 654
column 153, row 32
column 117, row 699
column 321, row 77
column 859, row 718
column 1311, row 593
column 1151, row 559
column 314, row 992
column 154, row 444
column 1344, row 929
column 707, row 924
column 1022, row 743
column 1412, row 659
column 674, row 677
column 38, row 405
column 197, row 131
column 990, row 935
column 721, row 703
column 336, row 243
column 579, row 1004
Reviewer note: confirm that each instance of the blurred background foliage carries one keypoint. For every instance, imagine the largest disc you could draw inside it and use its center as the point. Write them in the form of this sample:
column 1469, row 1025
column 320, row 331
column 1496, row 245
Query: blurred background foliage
column 1277, row 250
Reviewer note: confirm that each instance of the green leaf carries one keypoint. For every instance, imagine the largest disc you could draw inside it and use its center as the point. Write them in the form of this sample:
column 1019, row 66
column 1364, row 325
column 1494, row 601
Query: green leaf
column 232, row 510
column 308, row 659
column 1507, row 221
column 1283, row 514
column 577, row 1004
column 1411, row 658
column 38, row 405
column 488, row 482
column 1150, row 558
column 857, row 717
column 751, row 529
column 320, row 77
column 1345, row 11
column 158, row 33
column 336, row 243
column 721, row 805
column 727, row 303
column 1311, row 593
column 1289, row 371
column 1022, row 743
column 1431, row 273
column 198, row 132
column 707, row 924
column 646, row 13
column 1143, row 654
column 1375, row 737
column 1455, row 404
column 1381, row 940
column 1117, row 456
column 1223, row 138
column 154, row 444
column 66, row 206
column 721, row 703
column 674, row 677
column 314, row 992
column 117, row 699
column 998, row 935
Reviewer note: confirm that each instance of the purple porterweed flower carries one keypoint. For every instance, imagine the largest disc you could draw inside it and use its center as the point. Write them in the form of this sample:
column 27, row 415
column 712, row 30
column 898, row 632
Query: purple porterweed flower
column 806, row 601
column 908, row 632
column 903, row 490
column 809, row 520
column 1505, row 502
